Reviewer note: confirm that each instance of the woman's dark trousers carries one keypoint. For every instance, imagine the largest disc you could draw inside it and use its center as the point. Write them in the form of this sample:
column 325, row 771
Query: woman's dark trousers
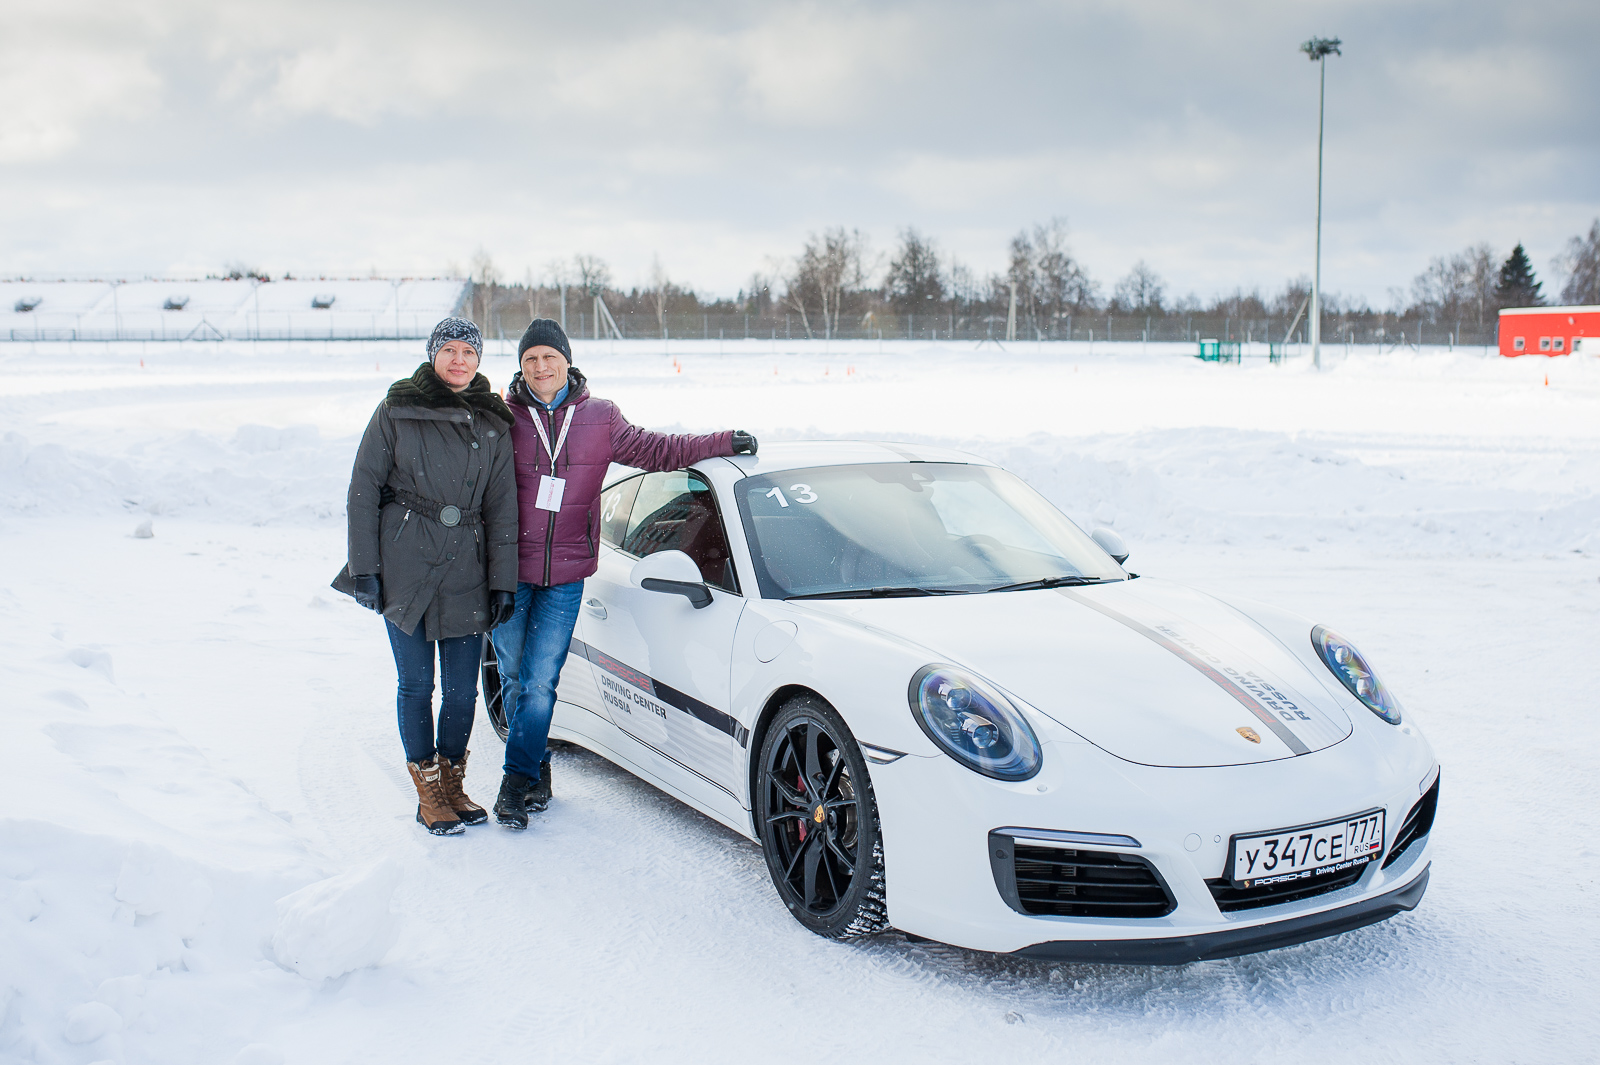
column 413, row 661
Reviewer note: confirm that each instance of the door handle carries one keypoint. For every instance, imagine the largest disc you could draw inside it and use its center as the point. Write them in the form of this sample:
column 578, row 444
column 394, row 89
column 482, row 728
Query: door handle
column 595, row 607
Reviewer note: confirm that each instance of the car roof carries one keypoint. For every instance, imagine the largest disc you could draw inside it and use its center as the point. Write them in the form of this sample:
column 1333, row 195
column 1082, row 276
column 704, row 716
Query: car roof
column 780, row 455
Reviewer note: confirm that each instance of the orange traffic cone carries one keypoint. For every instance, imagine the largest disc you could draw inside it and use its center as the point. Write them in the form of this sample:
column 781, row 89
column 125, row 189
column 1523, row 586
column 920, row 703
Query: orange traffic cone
column 1547, row 380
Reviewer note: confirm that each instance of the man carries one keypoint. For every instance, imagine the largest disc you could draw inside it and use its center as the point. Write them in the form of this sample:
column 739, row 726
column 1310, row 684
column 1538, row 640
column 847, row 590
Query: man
column 563, row 441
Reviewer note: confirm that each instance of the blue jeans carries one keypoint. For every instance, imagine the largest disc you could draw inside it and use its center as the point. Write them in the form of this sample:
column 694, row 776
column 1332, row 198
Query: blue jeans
column 458, row 700
column 532, row 648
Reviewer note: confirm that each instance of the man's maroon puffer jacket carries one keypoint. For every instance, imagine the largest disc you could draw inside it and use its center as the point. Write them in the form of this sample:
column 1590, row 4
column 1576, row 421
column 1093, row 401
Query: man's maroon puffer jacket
column 561, row 548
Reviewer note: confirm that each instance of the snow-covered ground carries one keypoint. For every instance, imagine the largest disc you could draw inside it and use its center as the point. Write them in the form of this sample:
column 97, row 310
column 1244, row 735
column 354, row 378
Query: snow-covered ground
column 207, row 851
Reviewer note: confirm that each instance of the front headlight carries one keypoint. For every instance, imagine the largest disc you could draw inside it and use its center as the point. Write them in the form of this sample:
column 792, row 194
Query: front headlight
column 973, row 723
column 1348, row 665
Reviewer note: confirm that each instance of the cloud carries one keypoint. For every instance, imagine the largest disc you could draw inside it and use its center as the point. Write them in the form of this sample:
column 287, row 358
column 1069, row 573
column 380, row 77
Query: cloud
column 405, row 134
column 63, row 68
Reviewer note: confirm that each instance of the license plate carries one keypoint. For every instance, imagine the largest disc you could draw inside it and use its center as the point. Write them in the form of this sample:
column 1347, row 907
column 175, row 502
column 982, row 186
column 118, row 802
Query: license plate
column 1306, row 852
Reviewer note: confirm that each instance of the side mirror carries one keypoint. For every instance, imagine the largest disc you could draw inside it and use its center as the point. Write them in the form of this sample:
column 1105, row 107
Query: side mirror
column 674, row 572
column 1111, row 544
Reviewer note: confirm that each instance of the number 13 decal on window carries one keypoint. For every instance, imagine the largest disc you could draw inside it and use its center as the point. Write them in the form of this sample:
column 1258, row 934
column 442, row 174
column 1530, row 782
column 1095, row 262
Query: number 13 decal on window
column 803, row 494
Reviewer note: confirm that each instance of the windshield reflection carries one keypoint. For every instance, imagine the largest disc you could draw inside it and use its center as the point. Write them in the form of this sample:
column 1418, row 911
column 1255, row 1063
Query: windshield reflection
column 896, row 528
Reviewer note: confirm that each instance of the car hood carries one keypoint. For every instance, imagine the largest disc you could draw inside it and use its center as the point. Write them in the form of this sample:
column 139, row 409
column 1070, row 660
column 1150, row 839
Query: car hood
column 1151, row 671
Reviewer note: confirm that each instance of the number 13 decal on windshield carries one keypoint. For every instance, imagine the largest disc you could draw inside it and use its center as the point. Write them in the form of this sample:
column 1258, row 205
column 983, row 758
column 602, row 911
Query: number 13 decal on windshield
column 803, row 494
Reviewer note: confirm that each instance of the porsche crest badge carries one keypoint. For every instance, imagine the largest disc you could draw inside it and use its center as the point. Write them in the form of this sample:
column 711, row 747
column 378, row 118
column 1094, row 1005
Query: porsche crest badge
column 1249, row 733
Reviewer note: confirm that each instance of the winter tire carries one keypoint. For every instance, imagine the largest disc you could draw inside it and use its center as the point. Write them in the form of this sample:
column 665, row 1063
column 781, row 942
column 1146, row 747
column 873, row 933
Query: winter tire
column 494, row 690
column 819, row 822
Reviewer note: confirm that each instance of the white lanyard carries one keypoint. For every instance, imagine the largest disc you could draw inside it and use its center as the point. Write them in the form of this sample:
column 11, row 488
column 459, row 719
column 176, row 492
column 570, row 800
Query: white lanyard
column 561, row 440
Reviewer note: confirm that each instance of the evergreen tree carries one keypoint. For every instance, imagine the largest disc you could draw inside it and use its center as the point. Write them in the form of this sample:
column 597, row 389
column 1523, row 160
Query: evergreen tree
column 1517, row 286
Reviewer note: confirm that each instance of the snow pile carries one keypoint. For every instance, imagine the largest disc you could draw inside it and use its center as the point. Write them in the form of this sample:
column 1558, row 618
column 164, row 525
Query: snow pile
column 143, row 890
column 337, row 925
column 207, row 844
column 257, row 475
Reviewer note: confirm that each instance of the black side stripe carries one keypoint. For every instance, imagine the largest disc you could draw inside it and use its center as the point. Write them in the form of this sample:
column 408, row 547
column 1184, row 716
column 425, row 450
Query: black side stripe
column 665, row 693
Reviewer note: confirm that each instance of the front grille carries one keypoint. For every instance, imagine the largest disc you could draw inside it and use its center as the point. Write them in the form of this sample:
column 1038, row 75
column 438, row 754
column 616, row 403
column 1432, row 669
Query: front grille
column 1418, row 823
column 1062, row 882
column 1309, row 886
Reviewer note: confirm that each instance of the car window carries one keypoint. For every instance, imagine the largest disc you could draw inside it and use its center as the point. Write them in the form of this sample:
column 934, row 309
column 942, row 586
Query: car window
column 616, row 503
column 943, row 526
column 676, row 511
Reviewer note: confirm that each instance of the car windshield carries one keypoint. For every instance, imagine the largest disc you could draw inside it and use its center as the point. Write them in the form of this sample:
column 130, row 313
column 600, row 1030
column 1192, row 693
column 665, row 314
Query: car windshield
column 909, row 528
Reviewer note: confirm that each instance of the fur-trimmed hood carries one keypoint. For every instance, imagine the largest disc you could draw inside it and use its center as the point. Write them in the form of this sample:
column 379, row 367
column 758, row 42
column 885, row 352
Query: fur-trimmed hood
column 425, row 388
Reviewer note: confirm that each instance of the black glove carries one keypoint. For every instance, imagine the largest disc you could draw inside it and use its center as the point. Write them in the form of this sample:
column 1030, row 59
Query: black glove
column 385, row 496
column 743, row 443
column 501, row 606
column 369, row 591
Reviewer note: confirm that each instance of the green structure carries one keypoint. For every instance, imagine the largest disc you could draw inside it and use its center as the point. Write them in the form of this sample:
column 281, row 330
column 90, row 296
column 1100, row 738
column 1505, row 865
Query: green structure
column 1220, row 350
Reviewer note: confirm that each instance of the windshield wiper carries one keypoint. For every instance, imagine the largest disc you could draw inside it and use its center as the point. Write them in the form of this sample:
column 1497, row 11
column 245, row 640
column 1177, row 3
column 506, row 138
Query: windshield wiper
column 882, row 593
column 1048, row 582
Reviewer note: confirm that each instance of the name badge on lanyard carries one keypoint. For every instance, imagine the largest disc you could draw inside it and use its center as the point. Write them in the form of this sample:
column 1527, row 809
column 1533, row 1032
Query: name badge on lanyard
column 552, row 488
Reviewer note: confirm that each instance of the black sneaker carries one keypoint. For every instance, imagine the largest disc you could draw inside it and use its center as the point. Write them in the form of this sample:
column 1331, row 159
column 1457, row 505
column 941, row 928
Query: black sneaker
column 537, row 797
column 510, row 809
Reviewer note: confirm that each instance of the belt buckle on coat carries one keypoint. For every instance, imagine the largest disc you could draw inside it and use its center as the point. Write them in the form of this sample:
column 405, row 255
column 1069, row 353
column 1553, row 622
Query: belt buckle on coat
column 449, row 515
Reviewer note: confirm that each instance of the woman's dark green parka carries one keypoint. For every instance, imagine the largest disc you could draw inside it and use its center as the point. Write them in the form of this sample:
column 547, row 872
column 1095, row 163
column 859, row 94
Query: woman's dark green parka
column 449, row 448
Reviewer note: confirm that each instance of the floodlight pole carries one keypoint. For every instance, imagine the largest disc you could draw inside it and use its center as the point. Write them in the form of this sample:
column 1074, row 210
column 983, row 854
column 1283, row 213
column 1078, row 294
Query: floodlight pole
column 1317, row 49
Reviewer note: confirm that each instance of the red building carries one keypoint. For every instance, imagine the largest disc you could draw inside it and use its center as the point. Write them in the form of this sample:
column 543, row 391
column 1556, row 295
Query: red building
column 1549, row 330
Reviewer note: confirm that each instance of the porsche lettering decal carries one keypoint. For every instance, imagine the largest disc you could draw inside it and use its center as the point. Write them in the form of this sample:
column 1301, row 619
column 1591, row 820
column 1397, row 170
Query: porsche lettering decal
column 652, row 696
column 1248, row 689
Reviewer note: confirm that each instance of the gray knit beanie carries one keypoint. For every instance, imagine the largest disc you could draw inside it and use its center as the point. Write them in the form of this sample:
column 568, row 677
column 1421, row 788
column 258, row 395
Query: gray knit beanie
column 454, row 329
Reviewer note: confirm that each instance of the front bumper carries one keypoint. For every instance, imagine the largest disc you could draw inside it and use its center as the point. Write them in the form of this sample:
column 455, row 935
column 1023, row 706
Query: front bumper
column 941, row 877
column 1180, row 950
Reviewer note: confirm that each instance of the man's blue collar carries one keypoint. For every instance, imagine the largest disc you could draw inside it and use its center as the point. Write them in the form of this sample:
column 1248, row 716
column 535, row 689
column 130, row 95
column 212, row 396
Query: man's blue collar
column 561, row 397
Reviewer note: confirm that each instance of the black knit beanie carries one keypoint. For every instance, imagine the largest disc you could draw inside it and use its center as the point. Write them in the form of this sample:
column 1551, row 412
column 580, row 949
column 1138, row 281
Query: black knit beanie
column 548, row 332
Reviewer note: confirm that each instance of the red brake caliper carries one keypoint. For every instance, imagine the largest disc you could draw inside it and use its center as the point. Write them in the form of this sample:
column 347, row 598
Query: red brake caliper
column 801, row 780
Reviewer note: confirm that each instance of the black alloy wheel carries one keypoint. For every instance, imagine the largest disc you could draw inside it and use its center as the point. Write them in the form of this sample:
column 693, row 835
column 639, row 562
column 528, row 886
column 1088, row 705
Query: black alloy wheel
column 819, row 822
column 494, row 690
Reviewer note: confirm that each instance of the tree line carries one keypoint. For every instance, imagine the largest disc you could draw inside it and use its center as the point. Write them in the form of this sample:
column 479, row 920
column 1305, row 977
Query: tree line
column 837, row 285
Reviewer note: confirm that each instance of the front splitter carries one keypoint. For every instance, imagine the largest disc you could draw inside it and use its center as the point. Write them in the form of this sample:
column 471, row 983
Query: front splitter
column 1180, row 950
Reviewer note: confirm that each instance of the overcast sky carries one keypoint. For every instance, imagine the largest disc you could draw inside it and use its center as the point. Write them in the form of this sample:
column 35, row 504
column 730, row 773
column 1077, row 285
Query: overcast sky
column 170, row 137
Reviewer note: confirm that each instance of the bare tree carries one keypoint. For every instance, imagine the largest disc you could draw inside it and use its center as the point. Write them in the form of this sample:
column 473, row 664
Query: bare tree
column 485, row 278
column 1457, row 288
column 484, row 271
column 594, row 276
column 758, row 298
column 829, row 268
column 1141, row 292
column 915, row 282
column 1049, row 281
column 659, row 283
column 1581, row 263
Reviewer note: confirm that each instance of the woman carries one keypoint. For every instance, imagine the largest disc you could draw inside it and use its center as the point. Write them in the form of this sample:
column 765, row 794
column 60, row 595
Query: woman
column 433, row 548
column 565, row 440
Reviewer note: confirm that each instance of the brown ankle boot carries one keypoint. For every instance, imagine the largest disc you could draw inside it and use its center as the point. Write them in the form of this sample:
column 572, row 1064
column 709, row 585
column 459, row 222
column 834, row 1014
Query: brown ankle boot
column 433, row 809
column 455, row 795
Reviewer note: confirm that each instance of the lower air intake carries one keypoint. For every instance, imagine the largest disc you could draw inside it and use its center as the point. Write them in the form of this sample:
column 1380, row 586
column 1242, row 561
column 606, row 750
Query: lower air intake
column 1045, row 881
column 1418, row 823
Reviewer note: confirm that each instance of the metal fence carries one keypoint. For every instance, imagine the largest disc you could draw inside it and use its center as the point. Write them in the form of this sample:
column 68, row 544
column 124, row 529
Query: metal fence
column 509, row 326
column 264, row 327
column 951, row 326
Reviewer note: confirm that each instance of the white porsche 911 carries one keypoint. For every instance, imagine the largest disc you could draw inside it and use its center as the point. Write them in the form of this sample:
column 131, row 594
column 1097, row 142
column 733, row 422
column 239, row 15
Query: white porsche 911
column 940, row 706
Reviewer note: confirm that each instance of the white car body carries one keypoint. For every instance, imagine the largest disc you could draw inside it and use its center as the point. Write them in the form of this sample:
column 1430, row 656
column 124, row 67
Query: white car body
column 1132, row 688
